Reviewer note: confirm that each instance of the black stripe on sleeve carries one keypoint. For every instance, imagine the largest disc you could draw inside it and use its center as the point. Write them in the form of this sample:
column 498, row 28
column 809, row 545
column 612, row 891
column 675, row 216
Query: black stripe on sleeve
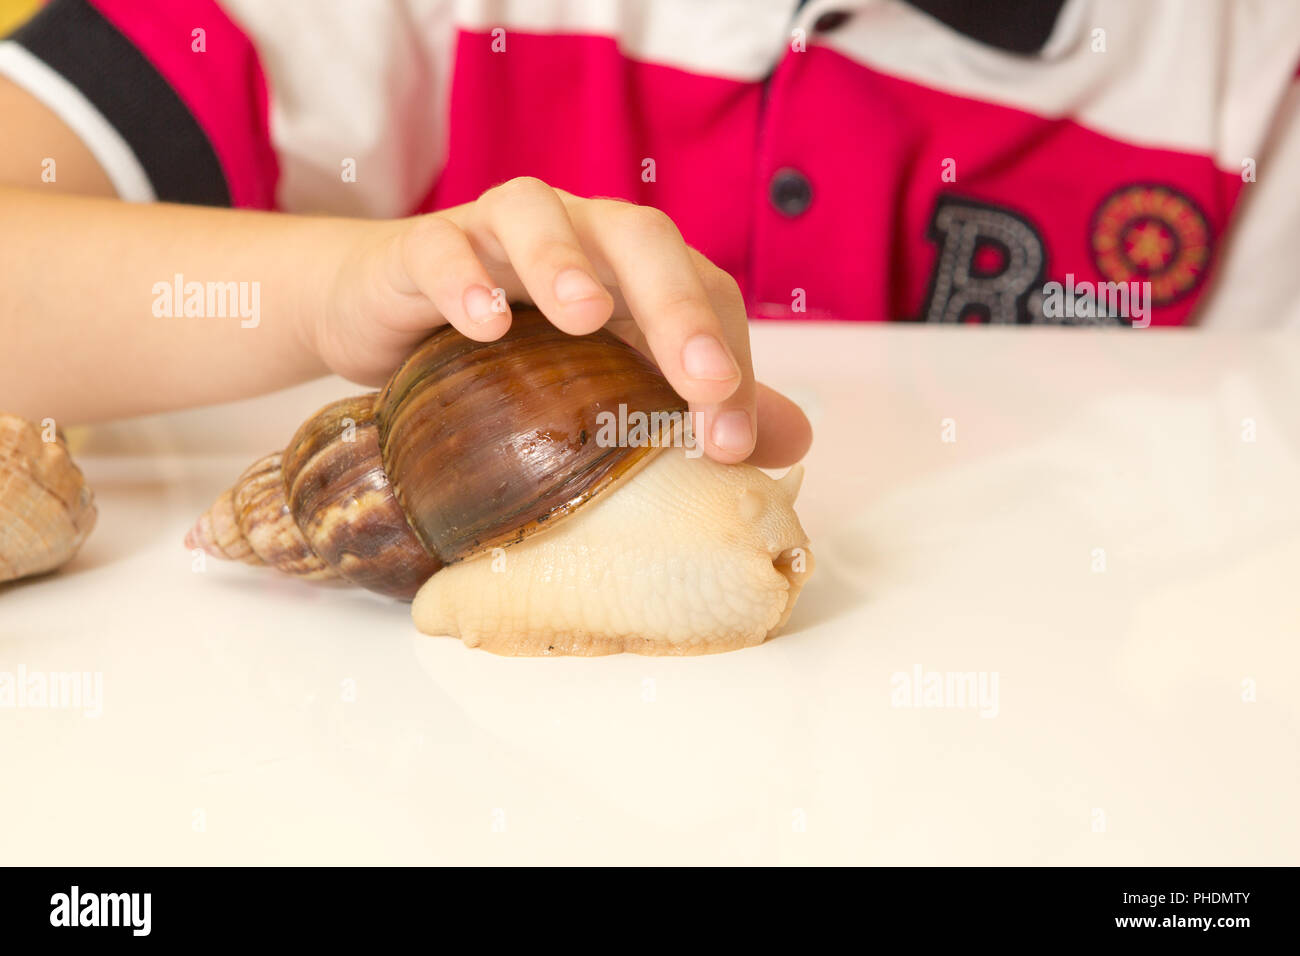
column 73, row 39
column 1017, row 26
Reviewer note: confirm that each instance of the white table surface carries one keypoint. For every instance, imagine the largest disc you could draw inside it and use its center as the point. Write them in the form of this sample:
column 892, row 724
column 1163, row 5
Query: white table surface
column 250, row 718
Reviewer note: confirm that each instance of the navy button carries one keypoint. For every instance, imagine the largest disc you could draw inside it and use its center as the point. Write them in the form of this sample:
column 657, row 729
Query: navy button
column 791, row 193
column 830, row 21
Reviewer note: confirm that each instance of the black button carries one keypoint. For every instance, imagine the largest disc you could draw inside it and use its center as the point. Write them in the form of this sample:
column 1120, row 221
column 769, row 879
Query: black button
column 830, row 21
column 791, row 193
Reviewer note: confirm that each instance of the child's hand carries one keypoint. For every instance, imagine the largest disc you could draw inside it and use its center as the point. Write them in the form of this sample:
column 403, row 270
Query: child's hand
column 583, row 263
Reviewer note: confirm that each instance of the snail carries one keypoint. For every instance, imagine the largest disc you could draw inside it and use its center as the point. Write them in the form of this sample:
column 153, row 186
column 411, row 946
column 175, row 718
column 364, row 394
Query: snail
column 46, row 508
column 489, row 484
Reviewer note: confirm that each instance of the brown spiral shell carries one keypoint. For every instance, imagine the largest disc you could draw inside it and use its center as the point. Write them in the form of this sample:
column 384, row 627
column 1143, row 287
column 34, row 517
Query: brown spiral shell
column 344, row 506
column 486, row 442
column 471, row 445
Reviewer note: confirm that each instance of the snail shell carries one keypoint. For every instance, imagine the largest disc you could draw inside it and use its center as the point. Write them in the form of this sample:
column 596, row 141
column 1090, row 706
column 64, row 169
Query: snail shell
column 46, row 508
column 488, row 442
column 322, row 508
column 474, row 448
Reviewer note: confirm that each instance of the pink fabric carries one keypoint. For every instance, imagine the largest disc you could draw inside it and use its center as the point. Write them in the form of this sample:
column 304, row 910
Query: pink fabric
column 577, row 113
column 874, row 147
column 223, row 87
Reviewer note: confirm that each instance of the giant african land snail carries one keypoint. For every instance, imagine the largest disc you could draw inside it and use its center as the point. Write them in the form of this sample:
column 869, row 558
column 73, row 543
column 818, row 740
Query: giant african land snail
column 475, row 484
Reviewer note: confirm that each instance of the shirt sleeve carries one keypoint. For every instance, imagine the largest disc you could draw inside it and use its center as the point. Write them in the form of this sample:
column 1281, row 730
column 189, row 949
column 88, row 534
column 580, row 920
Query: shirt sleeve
column 168, row 96
column 1257, row 284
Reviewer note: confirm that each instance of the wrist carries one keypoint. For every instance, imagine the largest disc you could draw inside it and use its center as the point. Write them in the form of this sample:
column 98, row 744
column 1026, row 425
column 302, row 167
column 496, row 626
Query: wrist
column 329, row 251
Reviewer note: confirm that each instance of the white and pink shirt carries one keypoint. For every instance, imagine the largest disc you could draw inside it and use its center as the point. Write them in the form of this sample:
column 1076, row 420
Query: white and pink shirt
column 929, row 160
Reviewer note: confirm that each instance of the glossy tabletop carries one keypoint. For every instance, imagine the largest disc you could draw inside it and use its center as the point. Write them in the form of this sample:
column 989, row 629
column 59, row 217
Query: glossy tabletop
column 1054, row 620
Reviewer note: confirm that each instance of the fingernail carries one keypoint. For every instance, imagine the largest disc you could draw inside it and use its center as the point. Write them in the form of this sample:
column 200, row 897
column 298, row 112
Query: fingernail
column 704, row 357
column 574, row 285
column 733, row 433
column 479, row 304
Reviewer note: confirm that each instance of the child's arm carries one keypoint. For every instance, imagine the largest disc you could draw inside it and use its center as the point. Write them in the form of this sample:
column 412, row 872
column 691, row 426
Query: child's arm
column 82, row 281
column 76, row 305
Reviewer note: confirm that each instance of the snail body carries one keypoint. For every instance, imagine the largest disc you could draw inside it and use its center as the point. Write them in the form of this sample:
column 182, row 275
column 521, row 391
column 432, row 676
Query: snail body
column 476, row 484
column 688, row 557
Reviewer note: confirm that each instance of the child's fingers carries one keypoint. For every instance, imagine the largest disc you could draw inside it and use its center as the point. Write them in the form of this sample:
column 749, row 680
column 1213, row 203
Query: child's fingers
column 690, row 313
column 785, row 435
column 783, row 432
column 693, row 319
column 528, row 220
column 434, row 258
column 730, row 427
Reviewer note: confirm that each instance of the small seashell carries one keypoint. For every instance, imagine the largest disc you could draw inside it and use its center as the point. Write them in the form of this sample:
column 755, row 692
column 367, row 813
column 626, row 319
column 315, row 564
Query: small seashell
column 46, row 508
